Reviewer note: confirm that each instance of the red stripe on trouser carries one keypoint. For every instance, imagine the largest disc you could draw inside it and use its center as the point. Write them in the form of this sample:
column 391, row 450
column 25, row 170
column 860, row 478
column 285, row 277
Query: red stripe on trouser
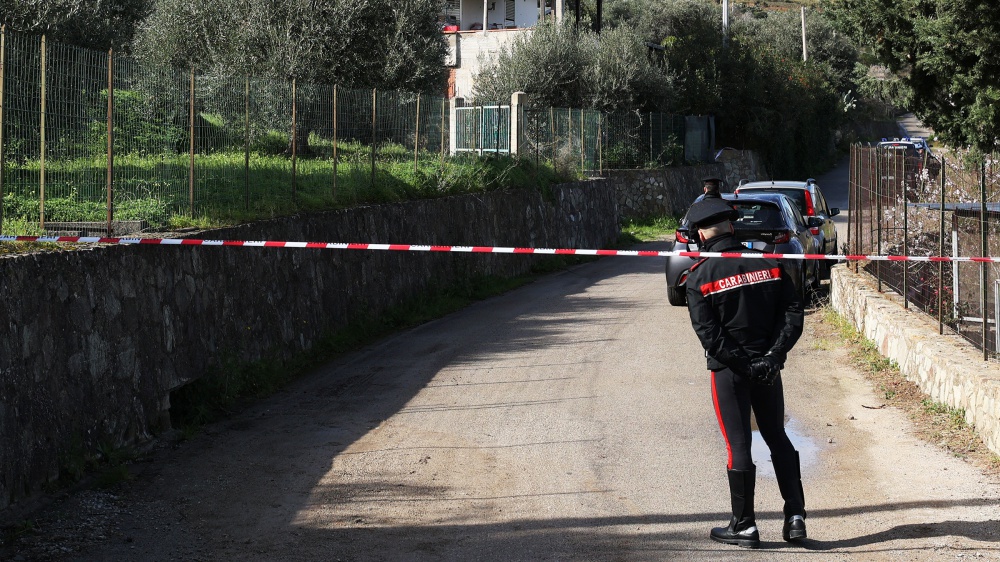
column 722, row 426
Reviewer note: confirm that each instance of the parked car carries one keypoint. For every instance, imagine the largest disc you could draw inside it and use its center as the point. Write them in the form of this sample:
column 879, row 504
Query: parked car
column 909, row 155
column 809, row 200
column 912, row 146
column 769, row 222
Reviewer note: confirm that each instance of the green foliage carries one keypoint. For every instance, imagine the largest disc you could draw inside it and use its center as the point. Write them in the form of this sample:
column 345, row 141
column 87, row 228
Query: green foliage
column 648, row 229
column 96, row 24
column 777, row 104
column 155, row 190
column 138, row 127
column 559, row 66
column 943, row 50
column 372, row 43
column 691, row 35
column 551, row 64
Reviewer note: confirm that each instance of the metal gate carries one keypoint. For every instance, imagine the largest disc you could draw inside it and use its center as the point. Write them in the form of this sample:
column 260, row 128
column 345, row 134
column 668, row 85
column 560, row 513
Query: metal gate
column 483, row 128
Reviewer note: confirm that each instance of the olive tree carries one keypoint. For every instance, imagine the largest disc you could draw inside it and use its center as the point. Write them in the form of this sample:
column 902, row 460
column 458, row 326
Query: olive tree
column 560, row 66
column 96, row 24
column 358, row 43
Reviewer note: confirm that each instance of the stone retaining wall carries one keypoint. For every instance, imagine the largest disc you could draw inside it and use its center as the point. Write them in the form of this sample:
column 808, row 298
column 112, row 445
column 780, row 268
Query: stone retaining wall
column 93, row 341
column 946, row 367
column 670, row 191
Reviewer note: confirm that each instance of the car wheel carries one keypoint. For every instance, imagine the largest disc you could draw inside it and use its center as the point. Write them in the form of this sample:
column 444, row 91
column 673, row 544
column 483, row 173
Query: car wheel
column 676, row 296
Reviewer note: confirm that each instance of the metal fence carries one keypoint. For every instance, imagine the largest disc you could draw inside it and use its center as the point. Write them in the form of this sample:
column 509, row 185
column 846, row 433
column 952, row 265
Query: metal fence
column 595, row 141
column 95, row 141
column 907, row 205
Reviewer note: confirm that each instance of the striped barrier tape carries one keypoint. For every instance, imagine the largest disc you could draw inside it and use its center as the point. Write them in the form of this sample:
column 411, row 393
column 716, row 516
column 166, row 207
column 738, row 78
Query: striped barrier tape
column 476, row 249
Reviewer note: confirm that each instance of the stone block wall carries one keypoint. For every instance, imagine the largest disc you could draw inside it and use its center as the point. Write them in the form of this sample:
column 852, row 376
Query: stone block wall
column 92, row 341
column 946, row 367
column 670, row 191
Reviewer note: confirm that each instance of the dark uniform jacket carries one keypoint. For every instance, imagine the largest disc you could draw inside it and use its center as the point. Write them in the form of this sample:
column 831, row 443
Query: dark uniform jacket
column 742, row 308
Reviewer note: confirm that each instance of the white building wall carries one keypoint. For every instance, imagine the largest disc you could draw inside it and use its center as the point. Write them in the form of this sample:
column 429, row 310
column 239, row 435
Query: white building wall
column 472, row 46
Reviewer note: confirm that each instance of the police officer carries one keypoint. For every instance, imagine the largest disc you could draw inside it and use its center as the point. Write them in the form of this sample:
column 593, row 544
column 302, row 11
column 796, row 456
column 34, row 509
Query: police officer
column 712, row 187
column 747, row 315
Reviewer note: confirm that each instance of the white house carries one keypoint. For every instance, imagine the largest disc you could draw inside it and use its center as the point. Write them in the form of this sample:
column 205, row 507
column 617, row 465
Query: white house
column 475, row 29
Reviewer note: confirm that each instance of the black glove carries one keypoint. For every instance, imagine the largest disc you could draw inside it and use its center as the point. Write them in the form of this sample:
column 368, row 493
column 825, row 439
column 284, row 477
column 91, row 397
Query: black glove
column 765, row 370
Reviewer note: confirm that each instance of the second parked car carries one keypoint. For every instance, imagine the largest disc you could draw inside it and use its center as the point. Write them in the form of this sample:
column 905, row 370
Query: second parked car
column 809, row 200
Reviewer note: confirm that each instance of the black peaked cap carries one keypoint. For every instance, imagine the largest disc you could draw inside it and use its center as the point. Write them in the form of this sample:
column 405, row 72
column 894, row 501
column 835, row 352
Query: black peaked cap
column 710, row 211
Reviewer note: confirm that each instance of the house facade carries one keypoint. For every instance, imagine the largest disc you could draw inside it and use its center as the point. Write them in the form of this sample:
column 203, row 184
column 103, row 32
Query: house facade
column 477, row 29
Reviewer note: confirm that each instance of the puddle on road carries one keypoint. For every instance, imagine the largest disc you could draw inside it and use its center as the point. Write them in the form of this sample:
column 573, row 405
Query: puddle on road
column 808, row 450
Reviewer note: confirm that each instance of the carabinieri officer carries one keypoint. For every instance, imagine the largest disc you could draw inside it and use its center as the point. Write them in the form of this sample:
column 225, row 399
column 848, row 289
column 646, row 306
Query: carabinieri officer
column 748, row 316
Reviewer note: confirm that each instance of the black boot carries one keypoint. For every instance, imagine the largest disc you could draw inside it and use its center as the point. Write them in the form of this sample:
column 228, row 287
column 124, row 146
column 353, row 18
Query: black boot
column 789, row 477
column 742, row 529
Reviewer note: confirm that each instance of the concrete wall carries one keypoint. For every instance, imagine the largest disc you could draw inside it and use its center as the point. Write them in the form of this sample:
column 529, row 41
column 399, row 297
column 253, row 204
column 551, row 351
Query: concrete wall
column 474, row 48
column 92, row 341
column 946, row 367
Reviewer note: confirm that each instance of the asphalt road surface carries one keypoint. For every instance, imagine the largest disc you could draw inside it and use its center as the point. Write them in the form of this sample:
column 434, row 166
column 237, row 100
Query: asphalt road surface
column 568, row 420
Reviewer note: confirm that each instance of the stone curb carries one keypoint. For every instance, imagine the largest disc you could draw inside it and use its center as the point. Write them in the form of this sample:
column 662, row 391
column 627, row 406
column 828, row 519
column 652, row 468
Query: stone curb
column 946, row 367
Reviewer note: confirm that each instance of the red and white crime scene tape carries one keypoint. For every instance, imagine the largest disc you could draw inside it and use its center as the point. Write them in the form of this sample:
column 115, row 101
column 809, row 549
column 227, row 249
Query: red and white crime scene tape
column 476, row 249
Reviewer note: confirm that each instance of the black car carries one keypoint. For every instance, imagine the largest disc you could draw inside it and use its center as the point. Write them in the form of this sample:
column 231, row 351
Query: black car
column 769, row 222
column 809, row 200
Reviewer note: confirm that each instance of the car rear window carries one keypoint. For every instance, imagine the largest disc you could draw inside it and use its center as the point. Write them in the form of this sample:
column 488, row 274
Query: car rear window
column 795, row 194
column 757, row 216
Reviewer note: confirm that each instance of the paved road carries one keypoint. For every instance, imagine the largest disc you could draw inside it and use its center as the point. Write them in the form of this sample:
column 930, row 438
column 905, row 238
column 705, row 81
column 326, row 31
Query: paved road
column 835, row 186
column 568, row 420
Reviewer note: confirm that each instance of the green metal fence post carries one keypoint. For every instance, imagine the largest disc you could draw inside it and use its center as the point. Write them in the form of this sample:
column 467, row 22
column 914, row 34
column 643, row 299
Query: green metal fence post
column 374, row 133
column 416, row 136
column 3, row 66
column 191, row 148
column 600, row 144
column 111, row 137
column 334, row 142
column 246, row 145
column 41, row 171
column 295, row 134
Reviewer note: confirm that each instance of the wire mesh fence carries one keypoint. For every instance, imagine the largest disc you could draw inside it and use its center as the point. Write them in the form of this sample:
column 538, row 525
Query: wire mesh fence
column 594, row 141
column 94, row 141
column 904, row 204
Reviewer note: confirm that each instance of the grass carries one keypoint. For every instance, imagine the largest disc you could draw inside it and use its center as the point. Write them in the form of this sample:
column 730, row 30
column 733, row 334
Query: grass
column 648, row 230
column 933, row 421
column 155, row 188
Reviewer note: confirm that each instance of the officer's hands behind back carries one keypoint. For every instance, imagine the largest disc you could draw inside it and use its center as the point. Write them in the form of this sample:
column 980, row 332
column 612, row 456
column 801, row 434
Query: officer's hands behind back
column 764, row 370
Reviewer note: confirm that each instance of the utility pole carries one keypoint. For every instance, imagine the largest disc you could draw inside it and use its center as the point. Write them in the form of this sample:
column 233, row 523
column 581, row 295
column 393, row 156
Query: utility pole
column 725, row 23
column 805, row 55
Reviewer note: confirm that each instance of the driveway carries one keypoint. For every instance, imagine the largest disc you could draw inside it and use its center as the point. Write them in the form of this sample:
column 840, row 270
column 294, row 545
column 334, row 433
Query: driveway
column 570, row 419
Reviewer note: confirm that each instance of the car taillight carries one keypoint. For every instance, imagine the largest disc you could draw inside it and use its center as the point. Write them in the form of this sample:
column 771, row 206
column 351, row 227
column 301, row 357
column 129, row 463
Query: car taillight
column 679, row 236
column 810, row 210
column 782, row 237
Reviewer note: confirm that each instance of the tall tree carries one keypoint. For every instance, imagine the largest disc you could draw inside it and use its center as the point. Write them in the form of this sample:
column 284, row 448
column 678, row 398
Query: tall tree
column 946, row 51
column 96, row 24
column 361, row 43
